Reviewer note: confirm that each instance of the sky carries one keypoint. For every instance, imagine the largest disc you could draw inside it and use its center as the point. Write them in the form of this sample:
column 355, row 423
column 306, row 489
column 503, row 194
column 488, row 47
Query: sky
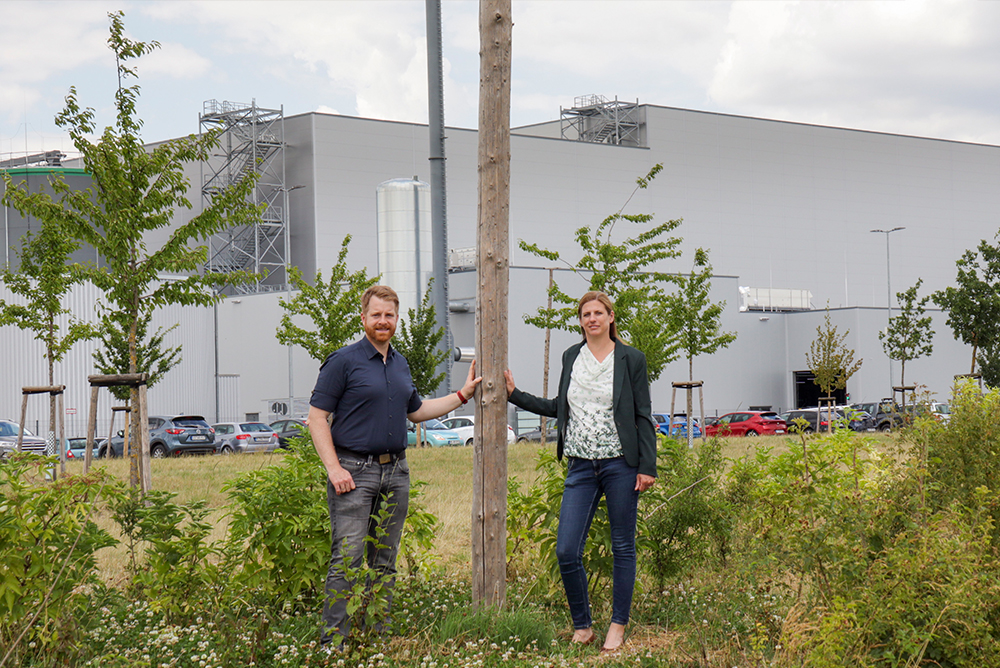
column 929, row 69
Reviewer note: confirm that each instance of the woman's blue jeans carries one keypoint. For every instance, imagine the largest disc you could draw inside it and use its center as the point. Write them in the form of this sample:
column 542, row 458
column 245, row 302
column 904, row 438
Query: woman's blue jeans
column 586, row 481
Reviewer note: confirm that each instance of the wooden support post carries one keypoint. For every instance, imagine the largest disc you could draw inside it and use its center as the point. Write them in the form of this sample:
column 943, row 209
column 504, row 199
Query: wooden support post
column 145, row 474
column 24, row 413
column 489, row 506
column 688, row 386
column 701, row 404
column 673, row 402
column 62, row 436
column 91, row 429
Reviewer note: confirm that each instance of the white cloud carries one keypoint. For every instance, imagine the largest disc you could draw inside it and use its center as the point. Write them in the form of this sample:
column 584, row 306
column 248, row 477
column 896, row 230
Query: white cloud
column 926, row 68
column 173, row 60
column 375, row 49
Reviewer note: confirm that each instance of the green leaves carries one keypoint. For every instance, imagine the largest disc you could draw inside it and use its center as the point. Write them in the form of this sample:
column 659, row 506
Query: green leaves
column 135, row 192
column 693, row 316
column 418, row 340
column 831, row 362
column 974, row 305
column 43, row 281
column 622, row 270
column 332, row 306
column 150, row 353
column 909, row 334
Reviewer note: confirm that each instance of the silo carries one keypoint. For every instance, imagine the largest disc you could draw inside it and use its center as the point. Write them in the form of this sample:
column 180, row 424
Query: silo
column 404, row 239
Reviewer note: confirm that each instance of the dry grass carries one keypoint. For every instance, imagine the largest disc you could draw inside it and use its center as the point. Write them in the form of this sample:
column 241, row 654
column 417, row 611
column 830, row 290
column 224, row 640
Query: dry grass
column 448, row 493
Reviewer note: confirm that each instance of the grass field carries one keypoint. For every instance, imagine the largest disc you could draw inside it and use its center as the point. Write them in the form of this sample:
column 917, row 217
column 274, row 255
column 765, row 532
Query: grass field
column 714, row 614
column 448, row 493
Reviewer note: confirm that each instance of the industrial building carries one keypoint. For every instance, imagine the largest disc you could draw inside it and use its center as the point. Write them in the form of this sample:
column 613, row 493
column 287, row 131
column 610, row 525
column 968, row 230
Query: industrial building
column 786, row 211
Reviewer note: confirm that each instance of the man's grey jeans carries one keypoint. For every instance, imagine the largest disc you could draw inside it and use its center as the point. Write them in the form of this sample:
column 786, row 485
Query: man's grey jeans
column 352, row 518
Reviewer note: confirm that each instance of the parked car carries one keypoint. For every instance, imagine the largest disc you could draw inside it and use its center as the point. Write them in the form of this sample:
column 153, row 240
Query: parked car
column 852, row 418
column 465, row 426
column 662, row 421
column 941, row 411
column 677, row 427
column 435, row 434
column 536, row 433
column 245, row 437
column 8, row 439
column 169, row 436
column 76, row 448
column 748, row 423
column 889, row 415
column 290, row 428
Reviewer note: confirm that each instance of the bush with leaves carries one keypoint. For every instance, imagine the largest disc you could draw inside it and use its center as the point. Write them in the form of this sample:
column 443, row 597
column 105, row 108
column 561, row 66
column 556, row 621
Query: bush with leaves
column 181, row 576
column 280, row 524
column 333, row 307
column 48, row 539
column 928, row 599
column 687, row 517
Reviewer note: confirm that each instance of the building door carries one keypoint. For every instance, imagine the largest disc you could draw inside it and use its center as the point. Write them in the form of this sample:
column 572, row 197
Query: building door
column 808, row 393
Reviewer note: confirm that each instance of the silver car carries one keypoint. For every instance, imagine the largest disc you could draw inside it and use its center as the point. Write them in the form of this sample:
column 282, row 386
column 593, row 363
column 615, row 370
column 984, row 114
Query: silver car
column 8, row 440
column 245, row 437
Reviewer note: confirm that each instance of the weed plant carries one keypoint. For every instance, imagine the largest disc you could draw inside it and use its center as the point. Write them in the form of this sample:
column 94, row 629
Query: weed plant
column 818, row 550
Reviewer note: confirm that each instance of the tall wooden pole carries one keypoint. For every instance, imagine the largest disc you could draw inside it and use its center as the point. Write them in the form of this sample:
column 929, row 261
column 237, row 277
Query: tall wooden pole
column 489, row 504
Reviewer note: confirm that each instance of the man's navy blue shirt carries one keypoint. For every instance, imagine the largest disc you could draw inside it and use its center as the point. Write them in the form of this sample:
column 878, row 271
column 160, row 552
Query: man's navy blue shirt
column 369, row 399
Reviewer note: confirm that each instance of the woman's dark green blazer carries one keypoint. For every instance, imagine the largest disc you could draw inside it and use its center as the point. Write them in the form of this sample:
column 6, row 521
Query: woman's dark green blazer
column 630, row 405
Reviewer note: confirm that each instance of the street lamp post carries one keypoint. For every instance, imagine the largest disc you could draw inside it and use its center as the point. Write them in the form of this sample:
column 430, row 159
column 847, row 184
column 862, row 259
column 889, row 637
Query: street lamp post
column 888, row 287
column 288, row 288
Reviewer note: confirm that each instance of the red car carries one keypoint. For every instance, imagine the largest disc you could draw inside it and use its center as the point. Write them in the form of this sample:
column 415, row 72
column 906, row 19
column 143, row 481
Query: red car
column 747, row 423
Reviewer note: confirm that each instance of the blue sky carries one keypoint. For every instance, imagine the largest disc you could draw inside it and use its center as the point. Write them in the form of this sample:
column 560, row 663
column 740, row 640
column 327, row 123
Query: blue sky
column 904, row 66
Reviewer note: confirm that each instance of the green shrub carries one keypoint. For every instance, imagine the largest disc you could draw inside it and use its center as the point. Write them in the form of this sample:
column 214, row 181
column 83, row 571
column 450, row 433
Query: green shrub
column 47, row 544
column 181, row 575
column 686, row 516
column 280, row 529
column 931, row 598
column 964, row 454
column 280, row 523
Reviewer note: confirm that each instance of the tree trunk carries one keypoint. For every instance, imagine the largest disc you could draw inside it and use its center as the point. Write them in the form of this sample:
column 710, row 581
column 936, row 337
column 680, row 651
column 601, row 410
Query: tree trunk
column 545, row 367
column 52, row 398
column 489, row 507
column 133, row 367
column 690, row 406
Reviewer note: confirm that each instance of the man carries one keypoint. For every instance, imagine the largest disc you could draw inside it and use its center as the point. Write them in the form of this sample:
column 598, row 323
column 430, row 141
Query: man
column 357, row 419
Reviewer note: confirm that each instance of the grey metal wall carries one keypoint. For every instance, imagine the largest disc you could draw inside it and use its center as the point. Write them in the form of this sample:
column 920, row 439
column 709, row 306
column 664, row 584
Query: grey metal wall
column 778, row 204
column 189, row 388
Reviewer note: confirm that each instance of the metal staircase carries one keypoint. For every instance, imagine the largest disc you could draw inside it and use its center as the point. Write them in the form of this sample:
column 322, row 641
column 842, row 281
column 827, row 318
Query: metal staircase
column 594, row 118
column 252, row 143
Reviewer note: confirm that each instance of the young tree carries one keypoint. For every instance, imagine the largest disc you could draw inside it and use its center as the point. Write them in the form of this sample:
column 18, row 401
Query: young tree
column 831, row 362
column 151, row 355
column 42, row 281
column 135, row 191
column 696, row 319
column 621, row 269
column 974, row 306
column 417, row 341
column 909, row 335
column 332, row 306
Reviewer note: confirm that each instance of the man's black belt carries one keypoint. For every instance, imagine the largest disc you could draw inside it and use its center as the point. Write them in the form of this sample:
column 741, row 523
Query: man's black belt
column 384, row 458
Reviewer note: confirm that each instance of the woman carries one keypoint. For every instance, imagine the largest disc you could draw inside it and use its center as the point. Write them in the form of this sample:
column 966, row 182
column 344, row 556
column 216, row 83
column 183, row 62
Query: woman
column 606, row 430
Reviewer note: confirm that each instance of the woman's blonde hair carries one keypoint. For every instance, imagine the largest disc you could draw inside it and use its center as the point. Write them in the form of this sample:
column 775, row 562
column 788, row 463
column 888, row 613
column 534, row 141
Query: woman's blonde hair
column 597, row 295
